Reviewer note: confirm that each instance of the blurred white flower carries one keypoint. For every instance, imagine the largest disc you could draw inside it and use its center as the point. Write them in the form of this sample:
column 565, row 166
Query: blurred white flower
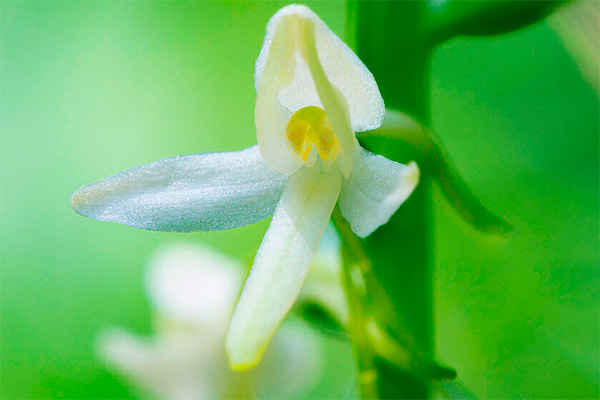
column 313, row 94
column 193, row 291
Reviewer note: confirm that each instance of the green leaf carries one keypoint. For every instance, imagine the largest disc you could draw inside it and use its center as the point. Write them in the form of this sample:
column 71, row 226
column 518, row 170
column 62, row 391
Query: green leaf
column 451, row 18
column 431, row 156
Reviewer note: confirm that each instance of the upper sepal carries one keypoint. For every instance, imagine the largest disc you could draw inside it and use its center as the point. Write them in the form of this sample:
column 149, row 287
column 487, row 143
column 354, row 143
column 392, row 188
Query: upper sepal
column 342, row 68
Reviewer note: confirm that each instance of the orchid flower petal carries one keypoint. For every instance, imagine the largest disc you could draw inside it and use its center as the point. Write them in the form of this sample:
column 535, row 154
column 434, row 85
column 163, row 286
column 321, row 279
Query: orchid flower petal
column 166, row 367
column 194, row 284
column 334, row 103
column 375, row 190
column 282, row 262
column 271, row 117
column 342, row 67
column 201, row 192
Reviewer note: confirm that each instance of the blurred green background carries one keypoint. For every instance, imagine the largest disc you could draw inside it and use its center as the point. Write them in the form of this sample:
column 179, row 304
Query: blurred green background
column 92, row 88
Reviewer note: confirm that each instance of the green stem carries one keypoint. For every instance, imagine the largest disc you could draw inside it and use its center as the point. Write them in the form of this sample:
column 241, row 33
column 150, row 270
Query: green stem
column 354, row 260
column 391, row 41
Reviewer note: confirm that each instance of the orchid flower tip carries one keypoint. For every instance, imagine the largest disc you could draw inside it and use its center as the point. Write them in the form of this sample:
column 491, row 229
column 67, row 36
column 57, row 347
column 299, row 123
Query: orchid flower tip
column 242, row 366
column 77, row 201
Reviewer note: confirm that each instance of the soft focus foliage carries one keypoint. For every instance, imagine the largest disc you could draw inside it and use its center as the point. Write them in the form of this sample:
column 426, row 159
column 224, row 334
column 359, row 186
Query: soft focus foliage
column 92, row 88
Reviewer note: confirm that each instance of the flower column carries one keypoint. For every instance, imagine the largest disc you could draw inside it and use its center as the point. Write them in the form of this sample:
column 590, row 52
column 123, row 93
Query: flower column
column 390, row 41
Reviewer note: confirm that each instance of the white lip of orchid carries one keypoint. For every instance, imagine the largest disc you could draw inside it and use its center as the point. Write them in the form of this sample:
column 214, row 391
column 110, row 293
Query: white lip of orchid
column 306, row 160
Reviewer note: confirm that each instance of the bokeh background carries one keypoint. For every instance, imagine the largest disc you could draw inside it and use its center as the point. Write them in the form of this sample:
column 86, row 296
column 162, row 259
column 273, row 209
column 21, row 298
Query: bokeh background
column 92, row 88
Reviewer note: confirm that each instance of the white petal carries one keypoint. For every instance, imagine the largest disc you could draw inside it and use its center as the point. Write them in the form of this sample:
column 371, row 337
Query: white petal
column 169, row 367
column 270, row 116
column 334, row 103
column 200, row 192
column 194, row 284
column 375, row 190
column 282, row 262
column 343, row 68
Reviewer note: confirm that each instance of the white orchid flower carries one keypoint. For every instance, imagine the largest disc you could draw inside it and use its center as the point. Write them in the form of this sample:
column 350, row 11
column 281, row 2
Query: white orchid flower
column 313, row 94
column 193, row 291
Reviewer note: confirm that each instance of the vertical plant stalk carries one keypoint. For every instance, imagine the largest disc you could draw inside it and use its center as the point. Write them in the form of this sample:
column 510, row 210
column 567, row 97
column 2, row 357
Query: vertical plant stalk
column 390, row 39
column 355, row 263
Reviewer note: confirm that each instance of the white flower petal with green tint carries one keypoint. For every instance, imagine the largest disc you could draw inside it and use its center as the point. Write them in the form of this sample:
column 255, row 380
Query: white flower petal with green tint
column 194, row 284
column 200, row 192
column 271, row 117
column 342, row 67
column 282, row 262
column 334, row 103
column 375, row 190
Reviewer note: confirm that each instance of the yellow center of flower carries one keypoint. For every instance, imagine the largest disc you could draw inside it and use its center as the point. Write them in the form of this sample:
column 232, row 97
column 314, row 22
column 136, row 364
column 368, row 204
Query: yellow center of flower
column 308, row 127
